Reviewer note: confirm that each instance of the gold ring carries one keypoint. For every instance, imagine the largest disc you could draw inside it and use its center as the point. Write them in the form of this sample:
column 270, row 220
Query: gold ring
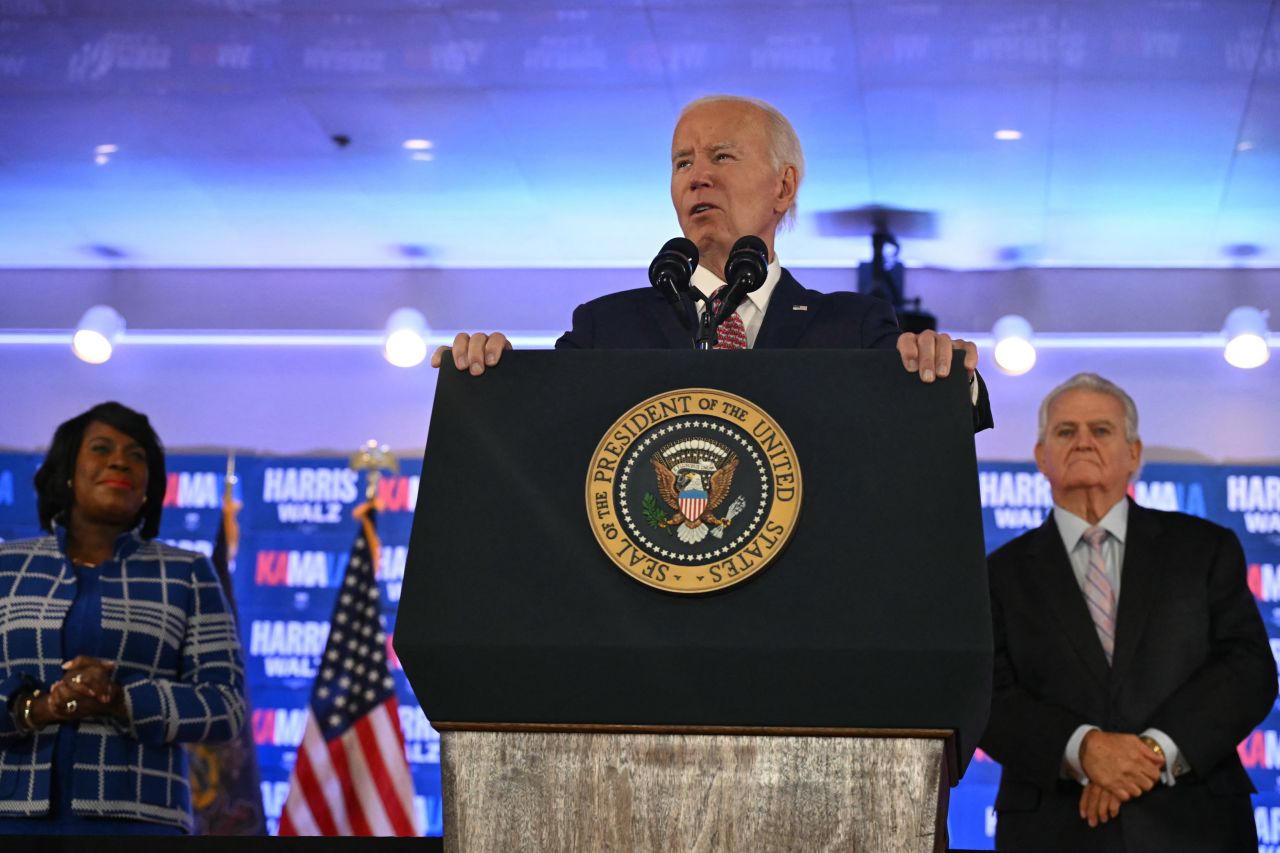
column 71, row 706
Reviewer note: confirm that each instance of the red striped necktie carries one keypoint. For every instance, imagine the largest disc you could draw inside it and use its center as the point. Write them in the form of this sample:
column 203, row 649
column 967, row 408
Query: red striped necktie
column 731, row 334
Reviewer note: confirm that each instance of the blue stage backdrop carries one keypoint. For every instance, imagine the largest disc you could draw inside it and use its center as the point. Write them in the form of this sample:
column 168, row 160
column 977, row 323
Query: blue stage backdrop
column 297, row 532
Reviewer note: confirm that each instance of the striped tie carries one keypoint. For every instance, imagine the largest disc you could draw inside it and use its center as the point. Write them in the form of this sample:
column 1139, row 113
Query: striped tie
column 731, row 334
column 1099, row 593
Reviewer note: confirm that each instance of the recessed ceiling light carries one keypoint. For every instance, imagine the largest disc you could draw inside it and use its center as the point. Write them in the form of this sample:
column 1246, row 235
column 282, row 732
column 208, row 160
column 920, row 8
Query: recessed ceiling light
column 423, row 155
column 1245, row 146
column 106, row 149
column 1008, row 135
column 418, row 144
column 101, row 159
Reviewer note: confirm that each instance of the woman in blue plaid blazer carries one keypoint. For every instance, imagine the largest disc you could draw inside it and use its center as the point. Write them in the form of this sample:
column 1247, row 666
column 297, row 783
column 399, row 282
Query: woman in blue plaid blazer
column 114, row 649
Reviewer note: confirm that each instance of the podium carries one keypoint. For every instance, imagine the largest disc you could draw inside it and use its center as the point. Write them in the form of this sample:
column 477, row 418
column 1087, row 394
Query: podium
column 829, row 701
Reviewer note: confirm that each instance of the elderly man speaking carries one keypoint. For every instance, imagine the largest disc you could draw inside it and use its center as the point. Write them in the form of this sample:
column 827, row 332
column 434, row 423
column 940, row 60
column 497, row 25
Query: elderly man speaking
column 1130, row 658
column 736, row 170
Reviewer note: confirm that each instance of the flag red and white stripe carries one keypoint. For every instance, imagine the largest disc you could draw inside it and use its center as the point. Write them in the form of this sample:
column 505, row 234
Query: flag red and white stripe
column 358, row 784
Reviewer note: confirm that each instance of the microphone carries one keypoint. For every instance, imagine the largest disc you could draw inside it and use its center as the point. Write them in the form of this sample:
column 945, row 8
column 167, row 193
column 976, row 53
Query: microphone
column 745, row 271
column 673, row 267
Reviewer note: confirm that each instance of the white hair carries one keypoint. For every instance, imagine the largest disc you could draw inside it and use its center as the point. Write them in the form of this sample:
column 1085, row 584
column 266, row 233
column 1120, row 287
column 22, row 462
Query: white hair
column 784, row 144
column 1091, row 382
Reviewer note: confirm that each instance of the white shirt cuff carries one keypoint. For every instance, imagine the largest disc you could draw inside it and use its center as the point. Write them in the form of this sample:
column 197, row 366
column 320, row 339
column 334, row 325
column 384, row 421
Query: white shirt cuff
column 1071, row 767
column 1174, row 764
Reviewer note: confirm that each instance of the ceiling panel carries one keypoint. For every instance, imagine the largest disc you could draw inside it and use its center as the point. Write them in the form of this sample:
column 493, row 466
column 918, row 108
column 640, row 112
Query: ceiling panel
column 270, row 132
column 1162, row 41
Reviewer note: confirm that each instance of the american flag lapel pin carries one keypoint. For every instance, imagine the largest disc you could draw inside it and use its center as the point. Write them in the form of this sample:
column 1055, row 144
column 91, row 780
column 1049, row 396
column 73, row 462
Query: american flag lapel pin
column 799, row 307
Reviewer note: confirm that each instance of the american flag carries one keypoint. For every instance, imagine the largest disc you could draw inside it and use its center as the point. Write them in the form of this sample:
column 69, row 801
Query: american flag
column 351, row 776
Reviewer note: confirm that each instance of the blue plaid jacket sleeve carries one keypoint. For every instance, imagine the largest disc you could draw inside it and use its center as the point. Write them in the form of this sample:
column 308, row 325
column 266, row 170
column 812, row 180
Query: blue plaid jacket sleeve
column 205, row 701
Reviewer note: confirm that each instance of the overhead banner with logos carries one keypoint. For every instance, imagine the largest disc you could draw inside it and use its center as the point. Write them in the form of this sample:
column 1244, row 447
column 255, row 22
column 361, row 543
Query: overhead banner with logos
column 296, row 535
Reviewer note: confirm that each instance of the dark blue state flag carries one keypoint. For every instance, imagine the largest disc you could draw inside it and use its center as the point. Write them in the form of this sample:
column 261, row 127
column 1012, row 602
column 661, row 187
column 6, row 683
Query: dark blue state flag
column 226, row 783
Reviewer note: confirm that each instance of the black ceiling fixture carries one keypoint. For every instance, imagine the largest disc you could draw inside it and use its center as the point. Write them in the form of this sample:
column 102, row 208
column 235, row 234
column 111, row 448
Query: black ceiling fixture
column 884, row 276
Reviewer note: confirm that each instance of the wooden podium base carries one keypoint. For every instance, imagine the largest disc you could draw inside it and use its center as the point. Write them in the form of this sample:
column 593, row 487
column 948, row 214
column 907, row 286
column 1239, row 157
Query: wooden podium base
column 631, row 788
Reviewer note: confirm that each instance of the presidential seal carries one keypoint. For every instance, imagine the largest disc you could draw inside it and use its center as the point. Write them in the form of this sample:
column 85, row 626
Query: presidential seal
column 693, row 491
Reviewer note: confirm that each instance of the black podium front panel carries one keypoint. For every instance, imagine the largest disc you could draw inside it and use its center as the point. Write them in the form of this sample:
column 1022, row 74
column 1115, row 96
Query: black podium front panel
column 876, row 614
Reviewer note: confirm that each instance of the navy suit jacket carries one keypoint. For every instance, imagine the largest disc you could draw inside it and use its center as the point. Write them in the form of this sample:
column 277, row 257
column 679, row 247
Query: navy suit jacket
column 1191, row 659
column 797, row 318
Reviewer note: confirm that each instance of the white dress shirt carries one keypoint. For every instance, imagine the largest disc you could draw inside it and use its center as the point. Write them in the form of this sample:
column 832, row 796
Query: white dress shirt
column 1071, row 528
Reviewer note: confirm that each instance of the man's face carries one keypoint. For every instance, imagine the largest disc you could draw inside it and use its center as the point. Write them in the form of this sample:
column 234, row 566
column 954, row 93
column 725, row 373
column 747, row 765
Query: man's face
column 723, row 185
column 1085, row 448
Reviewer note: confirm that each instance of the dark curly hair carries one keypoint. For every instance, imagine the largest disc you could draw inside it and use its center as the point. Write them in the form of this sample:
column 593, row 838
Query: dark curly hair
column 53, row 494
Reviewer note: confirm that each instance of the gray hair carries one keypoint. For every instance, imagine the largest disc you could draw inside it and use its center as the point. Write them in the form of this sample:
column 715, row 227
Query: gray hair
column 1092, row 382
column 784, row 144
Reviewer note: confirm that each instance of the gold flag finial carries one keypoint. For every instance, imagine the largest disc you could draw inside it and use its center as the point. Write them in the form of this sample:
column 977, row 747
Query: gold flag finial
column 374, row 458
column 228, row 485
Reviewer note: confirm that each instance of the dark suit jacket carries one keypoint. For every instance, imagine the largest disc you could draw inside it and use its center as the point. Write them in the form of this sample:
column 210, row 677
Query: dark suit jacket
column 797, row 318
column 1191, row 659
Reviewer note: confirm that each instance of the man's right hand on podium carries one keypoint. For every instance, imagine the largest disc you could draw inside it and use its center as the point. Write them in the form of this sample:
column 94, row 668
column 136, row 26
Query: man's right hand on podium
column 473, row 352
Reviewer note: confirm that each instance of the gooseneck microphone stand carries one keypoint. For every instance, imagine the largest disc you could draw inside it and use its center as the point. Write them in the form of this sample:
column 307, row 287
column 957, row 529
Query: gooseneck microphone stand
column 744, row 272
column 706, row 335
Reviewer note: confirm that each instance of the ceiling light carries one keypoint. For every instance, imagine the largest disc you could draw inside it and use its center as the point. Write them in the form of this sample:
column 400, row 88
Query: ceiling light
column 106, row 149
column 1008, row 135
column 1246, row 331
column 406, row 342
column 418, row 144
column 101, row 159
column 1245, row 146
column 423, row 155
column 97, row 333
column 1013, row 351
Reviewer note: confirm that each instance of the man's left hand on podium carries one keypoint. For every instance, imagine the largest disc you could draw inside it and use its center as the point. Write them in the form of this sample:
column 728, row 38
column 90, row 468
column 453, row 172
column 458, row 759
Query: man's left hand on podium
column 929, row 354
column 473, row 352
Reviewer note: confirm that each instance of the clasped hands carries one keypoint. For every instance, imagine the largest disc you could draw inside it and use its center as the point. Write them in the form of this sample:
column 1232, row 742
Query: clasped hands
column 85, row 691
column 1120, row 768
column 927, row 353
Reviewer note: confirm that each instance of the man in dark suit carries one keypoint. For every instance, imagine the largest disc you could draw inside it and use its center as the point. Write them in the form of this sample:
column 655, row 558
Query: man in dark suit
column 1130, row 658
column 736, row 169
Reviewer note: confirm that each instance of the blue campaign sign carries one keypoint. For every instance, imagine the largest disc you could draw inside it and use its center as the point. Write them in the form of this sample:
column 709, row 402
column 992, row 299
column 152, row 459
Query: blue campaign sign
column 971, row 821
column 297, row 532
column 1015, row 498
column 18, row 517
column 1251, row 504
column 301, row 494
column 193, row 501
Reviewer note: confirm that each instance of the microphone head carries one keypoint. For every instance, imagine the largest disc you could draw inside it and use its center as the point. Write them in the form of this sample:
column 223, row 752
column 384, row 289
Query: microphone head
column 748, row 263
column 673, row 266
column 684, row 247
